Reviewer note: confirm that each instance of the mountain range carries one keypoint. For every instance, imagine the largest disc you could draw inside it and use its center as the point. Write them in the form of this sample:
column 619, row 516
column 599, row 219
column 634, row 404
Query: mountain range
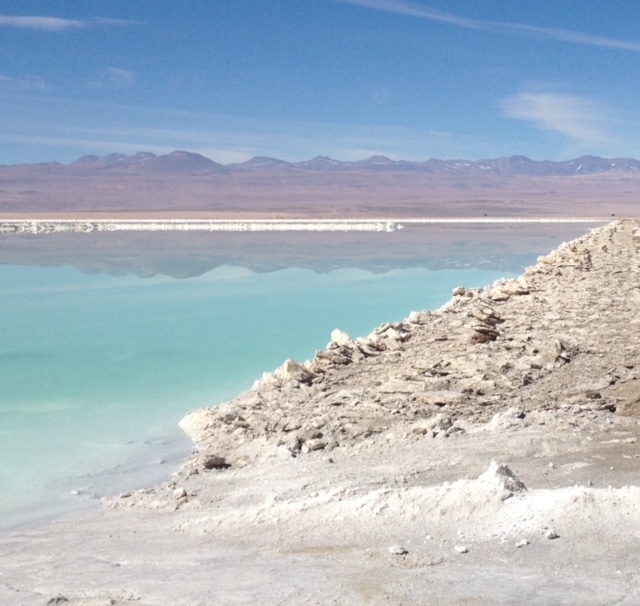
column 185, row 163
column 186, row 184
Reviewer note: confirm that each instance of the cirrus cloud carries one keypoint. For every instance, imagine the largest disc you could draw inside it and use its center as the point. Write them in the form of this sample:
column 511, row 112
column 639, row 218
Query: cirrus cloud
column 27, row 83
column 51, row 24
column 119, row 78
column 114, row 78
column 581, row 119
column 56, row 24
column 412, row 9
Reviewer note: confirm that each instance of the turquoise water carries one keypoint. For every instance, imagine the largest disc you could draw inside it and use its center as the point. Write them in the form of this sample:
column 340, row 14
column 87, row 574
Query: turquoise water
column 97, row 370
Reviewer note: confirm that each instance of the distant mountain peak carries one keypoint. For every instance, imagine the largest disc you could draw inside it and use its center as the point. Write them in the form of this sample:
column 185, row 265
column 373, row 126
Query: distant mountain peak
column 88, row 159
column 176, row 162
column 321, row 163
column 260, row 162
column 144, row 155
column 378, row 159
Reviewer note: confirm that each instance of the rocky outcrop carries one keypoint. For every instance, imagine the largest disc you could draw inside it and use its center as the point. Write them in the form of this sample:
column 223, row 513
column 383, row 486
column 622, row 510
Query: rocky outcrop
column 562, row 336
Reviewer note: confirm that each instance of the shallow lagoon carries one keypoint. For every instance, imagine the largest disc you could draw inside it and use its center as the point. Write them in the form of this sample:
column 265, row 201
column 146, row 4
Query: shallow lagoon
column 97, row 369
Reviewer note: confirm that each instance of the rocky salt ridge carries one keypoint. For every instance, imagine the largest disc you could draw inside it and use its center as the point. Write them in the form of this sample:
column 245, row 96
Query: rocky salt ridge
column 483, row 453
column 561, row 337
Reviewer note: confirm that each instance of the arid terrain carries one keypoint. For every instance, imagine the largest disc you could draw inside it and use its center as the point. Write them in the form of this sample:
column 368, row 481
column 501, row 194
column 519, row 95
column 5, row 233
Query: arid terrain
column 483, row 453
column 188, row 185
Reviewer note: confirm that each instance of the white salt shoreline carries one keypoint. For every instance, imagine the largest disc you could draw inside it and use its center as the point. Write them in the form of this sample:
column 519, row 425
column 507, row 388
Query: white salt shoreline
column 35, row 226
column 38, row 226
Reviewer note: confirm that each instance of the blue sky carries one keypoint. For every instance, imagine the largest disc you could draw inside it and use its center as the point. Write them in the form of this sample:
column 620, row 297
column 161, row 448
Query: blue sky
column 294, row 79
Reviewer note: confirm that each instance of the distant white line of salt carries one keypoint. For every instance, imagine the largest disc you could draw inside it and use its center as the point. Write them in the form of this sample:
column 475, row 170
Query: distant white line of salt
column 40, row 226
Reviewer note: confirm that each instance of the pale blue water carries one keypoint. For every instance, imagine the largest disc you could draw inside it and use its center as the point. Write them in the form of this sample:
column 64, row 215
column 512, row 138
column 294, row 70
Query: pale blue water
column 97, row 370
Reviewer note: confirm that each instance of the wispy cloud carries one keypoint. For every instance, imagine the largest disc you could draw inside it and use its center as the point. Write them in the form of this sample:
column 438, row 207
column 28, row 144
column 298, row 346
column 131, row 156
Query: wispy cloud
column 114, row 78
column 21, row 85
column 56, row 24
column 565, row 35
column 582, row 119
column 51, row 24
column 416, row 10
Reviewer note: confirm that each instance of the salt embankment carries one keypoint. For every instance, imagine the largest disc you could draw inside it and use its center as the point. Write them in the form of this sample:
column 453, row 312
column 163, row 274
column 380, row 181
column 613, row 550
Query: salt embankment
column 561, row 337
column 48, row 226
column 482, row 453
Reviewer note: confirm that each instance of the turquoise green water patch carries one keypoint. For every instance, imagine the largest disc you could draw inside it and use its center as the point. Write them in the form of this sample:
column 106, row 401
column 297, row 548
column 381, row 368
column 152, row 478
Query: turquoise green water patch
column 97, row 370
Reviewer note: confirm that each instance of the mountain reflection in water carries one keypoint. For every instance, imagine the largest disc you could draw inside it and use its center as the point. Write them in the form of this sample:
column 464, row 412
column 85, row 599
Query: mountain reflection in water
column 500, row 247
